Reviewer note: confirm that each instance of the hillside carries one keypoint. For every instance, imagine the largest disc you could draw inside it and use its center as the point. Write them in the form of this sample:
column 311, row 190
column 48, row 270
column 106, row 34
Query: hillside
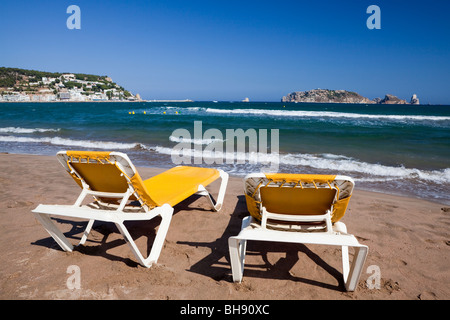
column 31, row 85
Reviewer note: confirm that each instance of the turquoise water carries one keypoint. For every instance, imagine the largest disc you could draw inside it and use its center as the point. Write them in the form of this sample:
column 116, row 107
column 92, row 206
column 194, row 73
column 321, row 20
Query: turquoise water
column 398, row 149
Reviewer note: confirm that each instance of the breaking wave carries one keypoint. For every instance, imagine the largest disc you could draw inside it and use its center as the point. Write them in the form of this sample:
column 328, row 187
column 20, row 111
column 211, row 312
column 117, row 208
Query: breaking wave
column 25, row 130
column 293, row 161
column 194, row 141
column 331, row 162
column 73, row 143
column 329, row 114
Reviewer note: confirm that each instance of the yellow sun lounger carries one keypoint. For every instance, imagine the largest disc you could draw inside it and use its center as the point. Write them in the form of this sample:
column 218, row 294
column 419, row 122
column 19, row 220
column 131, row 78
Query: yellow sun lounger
column 298, row 208
column 121, row 195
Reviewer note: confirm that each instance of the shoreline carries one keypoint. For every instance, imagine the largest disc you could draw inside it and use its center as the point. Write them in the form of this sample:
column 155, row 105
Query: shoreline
column 407, row 239
column 365, row 189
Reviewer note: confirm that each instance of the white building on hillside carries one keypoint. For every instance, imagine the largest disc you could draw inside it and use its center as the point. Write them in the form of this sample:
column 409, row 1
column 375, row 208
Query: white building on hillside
column 76, row 95
column 64, row 96
column 68, row 76
column 46, row 80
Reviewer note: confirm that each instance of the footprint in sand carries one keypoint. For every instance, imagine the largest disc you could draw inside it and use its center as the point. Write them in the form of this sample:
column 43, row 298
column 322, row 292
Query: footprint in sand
column 427, row 295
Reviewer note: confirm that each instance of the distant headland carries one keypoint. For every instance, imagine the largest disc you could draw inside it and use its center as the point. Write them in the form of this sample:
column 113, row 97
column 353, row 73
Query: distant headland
column 342, row 96
column 21, row 85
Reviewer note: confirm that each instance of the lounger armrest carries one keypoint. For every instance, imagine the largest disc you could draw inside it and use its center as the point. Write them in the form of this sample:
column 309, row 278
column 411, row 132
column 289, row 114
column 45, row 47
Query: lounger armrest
column 102, row 215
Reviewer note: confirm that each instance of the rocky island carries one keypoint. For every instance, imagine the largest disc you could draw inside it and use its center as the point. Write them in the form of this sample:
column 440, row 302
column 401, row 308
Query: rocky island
column 341, row 96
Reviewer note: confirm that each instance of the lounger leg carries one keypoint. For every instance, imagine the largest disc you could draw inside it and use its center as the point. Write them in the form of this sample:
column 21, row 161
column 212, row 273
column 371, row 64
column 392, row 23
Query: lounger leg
column 345, row 263
column 87, row 231
column 341, row 227
column 56, row 234
column 123, row 230
column 237, row 248
column 357, row 265
column 157, row 243
column 160, row 237
column 221, row 195
column 223, row 187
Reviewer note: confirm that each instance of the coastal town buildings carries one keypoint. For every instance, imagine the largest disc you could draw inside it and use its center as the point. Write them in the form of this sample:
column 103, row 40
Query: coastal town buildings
column 66, row 87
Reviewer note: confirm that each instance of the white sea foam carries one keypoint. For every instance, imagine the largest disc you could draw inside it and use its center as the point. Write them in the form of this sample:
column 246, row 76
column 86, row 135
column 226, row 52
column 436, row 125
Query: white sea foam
column 239, row 157
column 73, row 143
column 371, row 169
column 329, row 162
column 329, row 114
column 333, row 163
column 25, row 130
column 194, row 141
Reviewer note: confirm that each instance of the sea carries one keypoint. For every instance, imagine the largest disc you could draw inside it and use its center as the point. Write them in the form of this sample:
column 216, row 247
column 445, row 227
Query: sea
column 395, row 149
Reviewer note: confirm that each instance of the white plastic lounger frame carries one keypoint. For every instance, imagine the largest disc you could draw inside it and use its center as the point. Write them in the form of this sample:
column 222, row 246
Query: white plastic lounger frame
column 217, row 205
column 42, row 213
column 118, row 216
column 333, row 234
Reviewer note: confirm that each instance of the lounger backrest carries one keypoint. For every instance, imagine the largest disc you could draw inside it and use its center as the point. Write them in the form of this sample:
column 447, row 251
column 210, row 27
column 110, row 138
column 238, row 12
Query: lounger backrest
column 298, row 194
column 106, row 172
column 306, row 201
column 101, row 177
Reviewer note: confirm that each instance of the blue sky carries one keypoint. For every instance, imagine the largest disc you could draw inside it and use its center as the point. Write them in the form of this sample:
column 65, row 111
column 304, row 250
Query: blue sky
column 229, row 50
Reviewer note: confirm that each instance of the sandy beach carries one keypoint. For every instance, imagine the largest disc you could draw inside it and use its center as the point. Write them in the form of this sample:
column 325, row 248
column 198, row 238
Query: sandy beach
column 408, row 241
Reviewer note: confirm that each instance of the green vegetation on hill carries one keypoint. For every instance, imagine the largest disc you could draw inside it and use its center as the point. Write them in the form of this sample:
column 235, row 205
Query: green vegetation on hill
column 10, row 77
column 25, row 85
